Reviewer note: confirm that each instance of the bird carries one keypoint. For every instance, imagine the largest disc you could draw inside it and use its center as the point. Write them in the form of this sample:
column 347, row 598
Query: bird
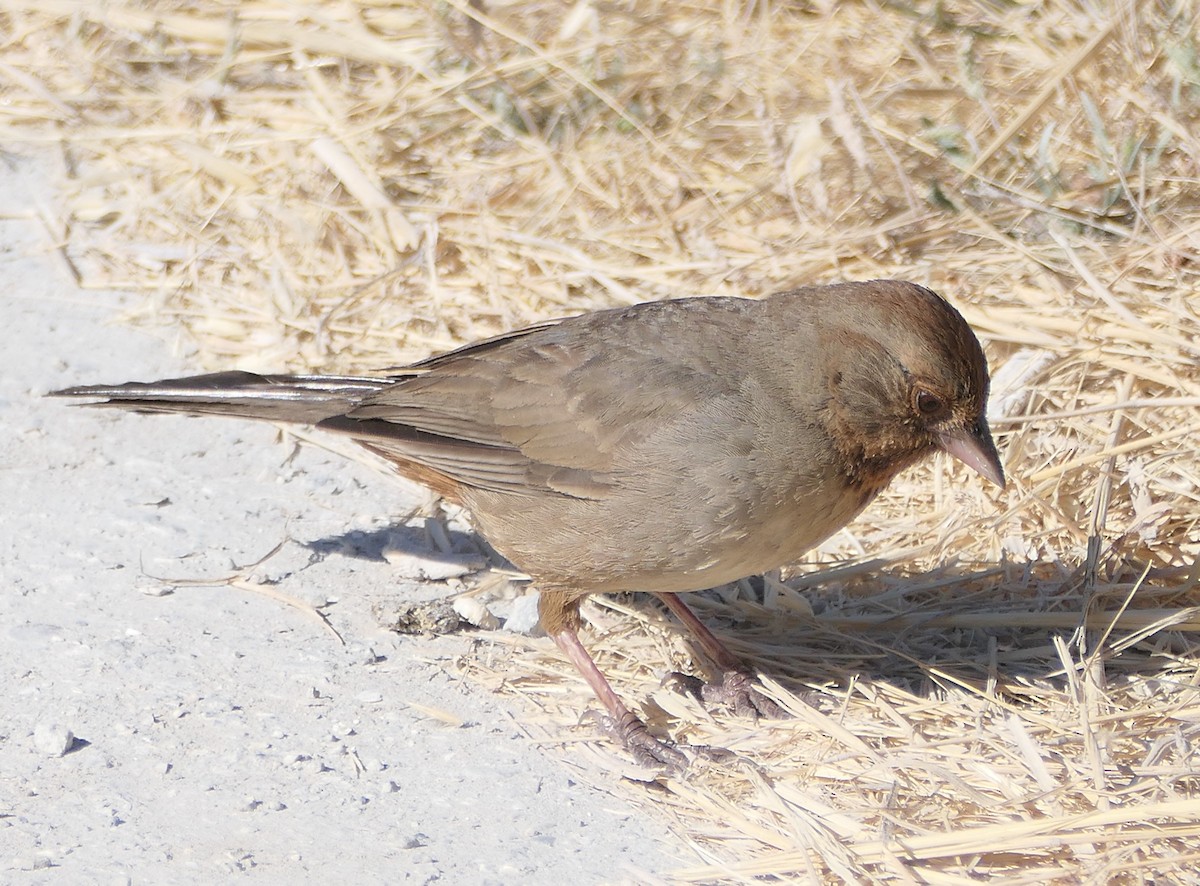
column 665, row 447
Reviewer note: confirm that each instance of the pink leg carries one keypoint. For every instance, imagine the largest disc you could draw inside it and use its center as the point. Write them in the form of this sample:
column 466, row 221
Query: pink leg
column 736, row 687
column 714, row 648
column 568, row 642
column 625, row 724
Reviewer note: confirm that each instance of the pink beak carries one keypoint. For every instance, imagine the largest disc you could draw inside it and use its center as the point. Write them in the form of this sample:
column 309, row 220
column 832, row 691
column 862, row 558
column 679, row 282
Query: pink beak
column 974, row 448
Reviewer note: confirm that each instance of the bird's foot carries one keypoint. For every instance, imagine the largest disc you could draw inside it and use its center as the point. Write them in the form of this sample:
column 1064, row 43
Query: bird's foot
column 737, row 690
column 631, row 733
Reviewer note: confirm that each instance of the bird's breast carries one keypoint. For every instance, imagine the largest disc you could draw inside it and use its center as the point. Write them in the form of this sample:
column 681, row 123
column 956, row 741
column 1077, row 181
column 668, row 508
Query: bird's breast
column 643, row 540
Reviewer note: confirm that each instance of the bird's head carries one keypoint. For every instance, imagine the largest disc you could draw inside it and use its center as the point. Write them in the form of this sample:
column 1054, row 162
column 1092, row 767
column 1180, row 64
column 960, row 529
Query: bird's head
column 910, row 378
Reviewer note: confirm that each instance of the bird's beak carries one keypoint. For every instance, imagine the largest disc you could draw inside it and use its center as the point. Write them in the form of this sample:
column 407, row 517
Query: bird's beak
column 973, row 446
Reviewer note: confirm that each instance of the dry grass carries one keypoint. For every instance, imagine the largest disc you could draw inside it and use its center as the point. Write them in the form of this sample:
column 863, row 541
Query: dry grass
column 1001, row 685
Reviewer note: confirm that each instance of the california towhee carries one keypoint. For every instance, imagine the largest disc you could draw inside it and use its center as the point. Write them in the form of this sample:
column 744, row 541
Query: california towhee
column 671, row 446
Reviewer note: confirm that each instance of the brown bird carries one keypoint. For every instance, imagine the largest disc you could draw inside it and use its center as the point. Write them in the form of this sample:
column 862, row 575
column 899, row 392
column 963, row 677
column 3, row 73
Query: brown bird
column 667, row 447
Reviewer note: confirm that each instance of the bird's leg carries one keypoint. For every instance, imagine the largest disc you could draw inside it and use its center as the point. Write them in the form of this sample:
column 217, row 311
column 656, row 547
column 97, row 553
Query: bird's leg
column 713, row 647
column 559, row 615
column 736, row 687
column 623, row 724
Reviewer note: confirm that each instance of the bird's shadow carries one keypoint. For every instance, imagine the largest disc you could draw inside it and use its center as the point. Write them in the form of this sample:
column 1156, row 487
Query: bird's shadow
column 988, row 629
column 372, row 545
column 918, row 632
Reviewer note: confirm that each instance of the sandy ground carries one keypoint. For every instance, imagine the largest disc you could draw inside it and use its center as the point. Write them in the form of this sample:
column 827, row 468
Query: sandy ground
column 219, row 734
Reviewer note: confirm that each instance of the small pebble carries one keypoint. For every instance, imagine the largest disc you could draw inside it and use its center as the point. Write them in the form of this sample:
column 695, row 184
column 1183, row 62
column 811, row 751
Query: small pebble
column 39, row 862
column 416, row 841
column 53, row 739
column 363, row 654
column 523, row 617
column 214, row 705
column 157, row 590
column 36, row 633
column 314, row 597
column 475, row 611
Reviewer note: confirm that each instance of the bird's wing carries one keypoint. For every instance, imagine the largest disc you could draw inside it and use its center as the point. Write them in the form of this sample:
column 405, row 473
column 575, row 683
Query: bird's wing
column 550, row 408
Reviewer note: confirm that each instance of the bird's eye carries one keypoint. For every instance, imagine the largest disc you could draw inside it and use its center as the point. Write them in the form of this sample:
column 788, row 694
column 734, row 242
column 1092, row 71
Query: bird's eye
column 929, row 404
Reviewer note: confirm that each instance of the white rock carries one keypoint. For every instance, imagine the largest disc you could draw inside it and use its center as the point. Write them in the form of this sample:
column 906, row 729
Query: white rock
column 156, row 590
column 523, row 618
column 39, row 862
column 53, row 739
column 475, row 611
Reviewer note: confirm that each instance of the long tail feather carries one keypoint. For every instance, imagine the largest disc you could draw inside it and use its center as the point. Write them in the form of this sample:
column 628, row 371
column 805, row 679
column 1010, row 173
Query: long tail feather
column 302, row 399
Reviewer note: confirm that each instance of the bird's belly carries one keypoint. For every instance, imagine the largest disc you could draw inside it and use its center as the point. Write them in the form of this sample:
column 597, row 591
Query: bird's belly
column 782, row 538
column 590, row 547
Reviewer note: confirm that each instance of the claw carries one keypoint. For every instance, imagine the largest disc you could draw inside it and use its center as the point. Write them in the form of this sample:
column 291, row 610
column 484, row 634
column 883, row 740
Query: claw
column 631, row 733
column 736, row 690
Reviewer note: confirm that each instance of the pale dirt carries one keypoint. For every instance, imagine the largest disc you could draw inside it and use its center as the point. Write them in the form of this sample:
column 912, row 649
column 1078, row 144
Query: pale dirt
column 221, row 735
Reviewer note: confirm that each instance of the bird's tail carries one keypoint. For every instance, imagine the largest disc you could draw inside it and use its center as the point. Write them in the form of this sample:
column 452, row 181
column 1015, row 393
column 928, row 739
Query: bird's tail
column 302, row 399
